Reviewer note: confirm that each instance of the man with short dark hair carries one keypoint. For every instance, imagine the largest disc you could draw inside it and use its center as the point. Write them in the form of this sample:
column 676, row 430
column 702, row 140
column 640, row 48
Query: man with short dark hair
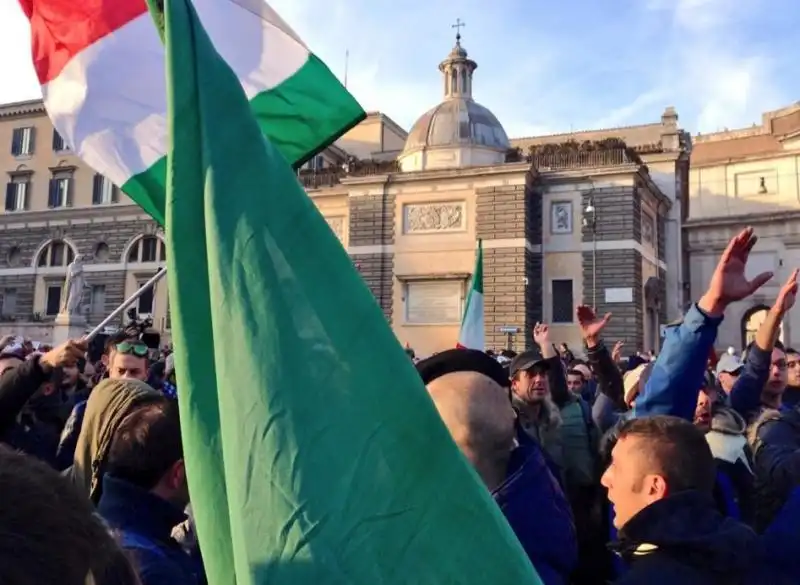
column 145, row 493
column 661, row 482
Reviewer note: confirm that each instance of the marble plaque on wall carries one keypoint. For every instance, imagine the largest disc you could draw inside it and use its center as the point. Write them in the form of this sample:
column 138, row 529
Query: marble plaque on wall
column 434, row 217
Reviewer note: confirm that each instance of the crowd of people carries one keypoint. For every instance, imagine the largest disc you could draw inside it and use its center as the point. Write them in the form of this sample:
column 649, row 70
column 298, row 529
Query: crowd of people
column 678, row 468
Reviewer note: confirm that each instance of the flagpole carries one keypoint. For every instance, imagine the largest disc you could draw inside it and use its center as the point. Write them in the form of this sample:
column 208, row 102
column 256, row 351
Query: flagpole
column 125, row 304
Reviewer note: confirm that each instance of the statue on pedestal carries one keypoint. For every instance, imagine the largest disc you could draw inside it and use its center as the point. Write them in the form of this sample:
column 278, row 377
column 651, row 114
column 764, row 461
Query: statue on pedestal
column 74, row 284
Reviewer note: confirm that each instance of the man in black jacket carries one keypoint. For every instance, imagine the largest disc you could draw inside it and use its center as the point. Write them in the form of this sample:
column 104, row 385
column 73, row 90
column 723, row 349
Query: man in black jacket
column 661, row 481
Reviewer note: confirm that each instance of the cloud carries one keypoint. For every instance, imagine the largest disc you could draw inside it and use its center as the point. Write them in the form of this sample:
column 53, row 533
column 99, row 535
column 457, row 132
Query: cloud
column 542, row 67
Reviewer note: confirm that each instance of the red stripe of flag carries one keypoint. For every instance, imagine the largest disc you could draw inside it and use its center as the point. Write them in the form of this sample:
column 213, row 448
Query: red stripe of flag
column 60, row 29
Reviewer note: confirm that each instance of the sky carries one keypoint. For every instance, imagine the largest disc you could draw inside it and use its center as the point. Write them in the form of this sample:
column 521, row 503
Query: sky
column 543, row 67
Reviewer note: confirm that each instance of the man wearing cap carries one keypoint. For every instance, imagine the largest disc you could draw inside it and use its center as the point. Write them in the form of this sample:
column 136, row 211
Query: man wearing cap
column 470, row 391
column 728, row 369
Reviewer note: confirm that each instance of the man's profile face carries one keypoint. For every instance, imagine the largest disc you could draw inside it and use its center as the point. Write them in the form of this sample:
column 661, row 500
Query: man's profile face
column 126, row 366
column 793, row 369
column 630, row 487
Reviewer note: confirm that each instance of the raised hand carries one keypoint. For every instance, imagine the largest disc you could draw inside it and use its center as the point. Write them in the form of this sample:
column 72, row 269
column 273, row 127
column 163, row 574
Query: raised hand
column 787, row 294
column 541, row 334
column 616, row 353
column 729, row 282
column 591, row 326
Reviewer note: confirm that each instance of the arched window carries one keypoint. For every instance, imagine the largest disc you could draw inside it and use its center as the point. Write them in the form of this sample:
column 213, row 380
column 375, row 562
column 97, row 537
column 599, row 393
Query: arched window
column 751, row 321
column 147, row 249
column 464, row 81
column 453, row 81
column 55, row 253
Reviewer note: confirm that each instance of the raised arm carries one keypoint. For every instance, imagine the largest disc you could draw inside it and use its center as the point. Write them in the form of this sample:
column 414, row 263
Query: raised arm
column 678, row 372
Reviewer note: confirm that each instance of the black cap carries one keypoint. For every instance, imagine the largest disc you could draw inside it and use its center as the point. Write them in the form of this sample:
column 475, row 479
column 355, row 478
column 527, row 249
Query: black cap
column 461, row 360
column 525, row 361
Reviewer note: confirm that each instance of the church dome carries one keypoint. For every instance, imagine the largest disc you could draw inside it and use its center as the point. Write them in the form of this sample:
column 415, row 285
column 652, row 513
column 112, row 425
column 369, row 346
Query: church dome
column 457, row 122
column 459, row 131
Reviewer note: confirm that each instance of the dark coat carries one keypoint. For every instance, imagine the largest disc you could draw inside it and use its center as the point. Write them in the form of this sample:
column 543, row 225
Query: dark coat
column 684, row 539
column 145, row 522
column 537, row 510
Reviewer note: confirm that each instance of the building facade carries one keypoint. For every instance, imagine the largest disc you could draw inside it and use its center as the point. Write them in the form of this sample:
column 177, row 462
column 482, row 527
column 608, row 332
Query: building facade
column 748, row 176
column 588, row 217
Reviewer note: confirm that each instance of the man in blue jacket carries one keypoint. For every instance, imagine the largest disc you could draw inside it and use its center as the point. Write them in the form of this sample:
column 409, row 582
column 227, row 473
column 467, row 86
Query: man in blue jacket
column 145, row 494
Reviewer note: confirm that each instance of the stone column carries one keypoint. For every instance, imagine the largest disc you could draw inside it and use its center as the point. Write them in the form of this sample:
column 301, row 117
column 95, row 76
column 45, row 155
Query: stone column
column 614, row 266
column 512, row 265
column 371, row 229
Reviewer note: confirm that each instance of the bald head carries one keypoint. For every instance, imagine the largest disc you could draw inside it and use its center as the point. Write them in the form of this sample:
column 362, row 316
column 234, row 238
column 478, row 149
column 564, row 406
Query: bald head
column 478, row 414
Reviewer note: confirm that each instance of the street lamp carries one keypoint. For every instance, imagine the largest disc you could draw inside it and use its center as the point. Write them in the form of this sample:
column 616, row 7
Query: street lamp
column 590, row 221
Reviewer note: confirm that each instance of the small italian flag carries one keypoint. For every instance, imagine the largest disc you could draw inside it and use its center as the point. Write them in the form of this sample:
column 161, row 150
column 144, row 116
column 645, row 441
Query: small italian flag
column 472, row 335
column 101, row 67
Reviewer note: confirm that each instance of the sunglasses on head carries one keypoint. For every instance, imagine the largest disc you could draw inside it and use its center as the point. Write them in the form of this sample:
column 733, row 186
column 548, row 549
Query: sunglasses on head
column 138, row 349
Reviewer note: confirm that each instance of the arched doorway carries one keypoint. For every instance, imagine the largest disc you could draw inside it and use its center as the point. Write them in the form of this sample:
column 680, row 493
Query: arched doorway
column 751, row 321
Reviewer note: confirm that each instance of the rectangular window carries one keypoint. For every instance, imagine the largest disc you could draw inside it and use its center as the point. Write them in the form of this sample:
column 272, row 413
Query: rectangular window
column 58, row 142
column 99, row 299
column 434, row 302
column 60, row 192
column 562, row 303
column 53, row 301
column 103, row 191
column 17, row 194
column 22, row 141
column 9, row 301
column 146, row 301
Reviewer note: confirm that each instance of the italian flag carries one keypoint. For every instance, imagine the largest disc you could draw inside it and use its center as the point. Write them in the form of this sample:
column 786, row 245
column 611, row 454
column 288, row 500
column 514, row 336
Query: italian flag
column 101, row 67
column 472, row 332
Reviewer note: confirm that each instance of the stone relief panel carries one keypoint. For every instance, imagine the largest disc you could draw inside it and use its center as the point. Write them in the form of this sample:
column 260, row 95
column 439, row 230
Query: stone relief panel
column 561, row 217
column 426, row 218
column 336, row 224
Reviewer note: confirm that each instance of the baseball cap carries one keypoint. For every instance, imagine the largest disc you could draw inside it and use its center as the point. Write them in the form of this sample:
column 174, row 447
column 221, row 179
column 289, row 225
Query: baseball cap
column 525, row 361
column 728, row 364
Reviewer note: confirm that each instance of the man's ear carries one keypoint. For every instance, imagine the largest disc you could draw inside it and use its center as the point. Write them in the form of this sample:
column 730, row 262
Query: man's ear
column 176, row 476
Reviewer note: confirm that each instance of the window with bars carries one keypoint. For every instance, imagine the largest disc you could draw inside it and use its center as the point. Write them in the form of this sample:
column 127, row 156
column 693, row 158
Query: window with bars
column 58, row 142
column 562, row 302
column 148, row 249
column 23, row 141
column 56, row 253
column 17, row 193
column 104, row 191
column 53, row 300
column 60, row 194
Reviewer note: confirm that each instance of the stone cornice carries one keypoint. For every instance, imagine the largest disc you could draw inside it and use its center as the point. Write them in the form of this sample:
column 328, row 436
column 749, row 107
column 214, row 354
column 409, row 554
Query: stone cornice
column 26, row 108
column 779, row 217
column 19, row 219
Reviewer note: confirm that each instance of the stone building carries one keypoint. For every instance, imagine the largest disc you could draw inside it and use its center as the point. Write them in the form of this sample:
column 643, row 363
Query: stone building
column 747, row 176
column 590, row 217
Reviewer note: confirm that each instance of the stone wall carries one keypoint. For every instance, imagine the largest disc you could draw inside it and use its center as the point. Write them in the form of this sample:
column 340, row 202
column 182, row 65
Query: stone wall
column 372, row 225
column 618, row 217
column 512, row 274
